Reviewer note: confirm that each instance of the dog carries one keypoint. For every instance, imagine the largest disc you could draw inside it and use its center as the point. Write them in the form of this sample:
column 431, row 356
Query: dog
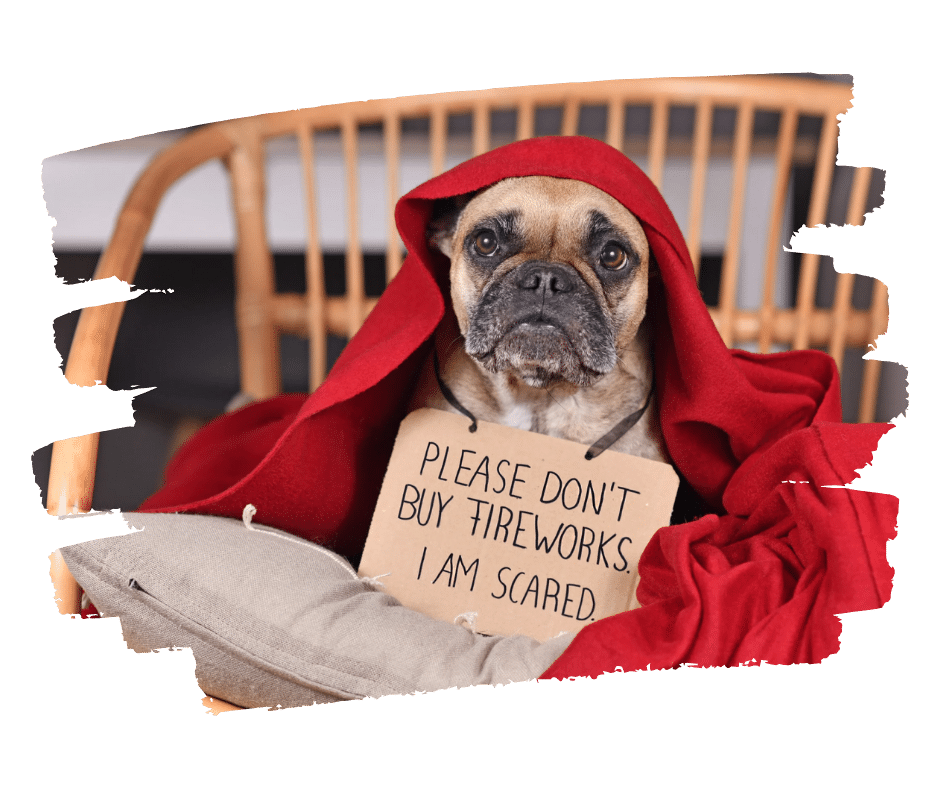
column 549, row 284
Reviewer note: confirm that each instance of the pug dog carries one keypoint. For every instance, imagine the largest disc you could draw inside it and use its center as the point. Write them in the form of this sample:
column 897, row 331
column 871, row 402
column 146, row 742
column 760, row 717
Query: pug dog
column 548, row 282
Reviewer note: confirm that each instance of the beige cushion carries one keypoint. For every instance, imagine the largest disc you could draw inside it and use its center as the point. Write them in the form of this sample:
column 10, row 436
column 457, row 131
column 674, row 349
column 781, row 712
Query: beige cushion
column 275, row 620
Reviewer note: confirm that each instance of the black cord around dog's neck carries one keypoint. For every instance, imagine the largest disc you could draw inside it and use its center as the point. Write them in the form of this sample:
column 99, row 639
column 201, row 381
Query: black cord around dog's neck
column 449, row 395
column 620, row 429
column 607, row 440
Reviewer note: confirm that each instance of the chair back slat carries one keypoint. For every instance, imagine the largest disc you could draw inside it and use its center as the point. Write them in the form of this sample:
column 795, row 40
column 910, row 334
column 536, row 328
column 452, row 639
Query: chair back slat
column 259, row 351
column 728, row 300
column 615, row 112
column 438, row 139
column 355, row 276
column 391, row 127
column 841, row 305
column 845, row 282
column 878, row 323
column 525, row 119
column 316, row 287
column 659, row 132
column 818, row 206
column 569, row 117
column 700, row 149
column 481, row 128
column 786, row 138
column 861, row 185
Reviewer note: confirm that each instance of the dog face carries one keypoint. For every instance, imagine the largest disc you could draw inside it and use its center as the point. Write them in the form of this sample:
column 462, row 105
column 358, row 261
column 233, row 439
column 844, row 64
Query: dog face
column 548, row 278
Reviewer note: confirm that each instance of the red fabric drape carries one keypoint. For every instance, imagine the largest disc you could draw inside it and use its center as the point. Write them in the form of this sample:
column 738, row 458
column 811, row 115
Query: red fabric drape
column 757, row 436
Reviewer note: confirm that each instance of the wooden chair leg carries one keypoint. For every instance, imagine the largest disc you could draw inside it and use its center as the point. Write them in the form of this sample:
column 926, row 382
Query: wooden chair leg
column 68, row 595
column 216, row 706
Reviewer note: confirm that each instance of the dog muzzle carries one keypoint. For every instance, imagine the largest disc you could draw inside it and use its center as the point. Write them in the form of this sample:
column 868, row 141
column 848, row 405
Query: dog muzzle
column 542, row 320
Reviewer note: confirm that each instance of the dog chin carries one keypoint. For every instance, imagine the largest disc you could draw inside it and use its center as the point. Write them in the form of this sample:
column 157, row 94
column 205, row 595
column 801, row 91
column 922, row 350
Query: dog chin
column 541, row 355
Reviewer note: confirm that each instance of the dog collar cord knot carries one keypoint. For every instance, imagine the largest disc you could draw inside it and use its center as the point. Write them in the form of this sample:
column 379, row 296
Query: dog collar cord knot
column 603, row 443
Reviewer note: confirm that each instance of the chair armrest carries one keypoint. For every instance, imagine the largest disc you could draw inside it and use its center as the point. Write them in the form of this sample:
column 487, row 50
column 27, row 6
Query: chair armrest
column 72, row 472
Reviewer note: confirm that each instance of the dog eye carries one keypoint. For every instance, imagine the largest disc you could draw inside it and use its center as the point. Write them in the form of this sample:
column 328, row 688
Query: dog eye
column 485, row 242
column 613, row 257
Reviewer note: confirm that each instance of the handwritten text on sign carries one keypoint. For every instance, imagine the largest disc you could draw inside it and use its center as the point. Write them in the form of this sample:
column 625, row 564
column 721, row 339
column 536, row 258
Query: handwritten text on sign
column 515, row 526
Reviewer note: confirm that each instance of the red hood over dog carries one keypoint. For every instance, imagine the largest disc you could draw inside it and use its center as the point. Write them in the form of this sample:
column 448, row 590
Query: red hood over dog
column 756, row 436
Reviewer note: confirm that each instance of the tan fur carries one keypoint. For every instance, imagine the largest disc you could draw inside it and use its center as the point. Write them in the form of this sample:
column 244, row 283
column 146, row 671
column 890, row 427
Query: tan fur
column 554, row 217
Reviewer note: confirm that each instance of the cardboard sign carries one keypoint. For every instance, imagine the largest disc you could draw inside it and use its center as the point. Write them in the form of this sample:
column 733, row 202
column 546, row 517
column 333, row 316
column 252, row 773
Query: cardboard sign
column 514, row 526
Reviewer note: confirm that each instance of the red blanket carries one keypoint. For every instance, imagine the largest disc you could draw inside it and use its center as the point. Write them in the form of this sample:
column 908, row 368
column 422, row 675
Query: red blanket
column 757, row 437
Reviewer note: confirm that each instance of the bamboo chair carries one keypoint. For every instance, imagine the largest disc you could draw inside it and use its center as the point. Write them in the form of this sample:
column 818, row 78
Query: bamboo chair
column 262, row 314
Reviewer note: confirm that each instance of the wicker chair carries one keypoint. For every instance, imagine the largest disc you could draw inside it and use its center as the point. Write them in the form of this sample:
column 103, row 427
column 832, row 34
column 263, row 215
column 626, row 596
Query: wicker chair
column 781, row 124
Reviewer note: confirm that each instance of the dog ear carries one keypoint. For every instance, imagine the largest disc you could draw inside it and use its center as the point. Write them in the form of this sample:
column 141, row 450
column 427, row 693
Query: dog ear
column 653, row 272
column 443, row 224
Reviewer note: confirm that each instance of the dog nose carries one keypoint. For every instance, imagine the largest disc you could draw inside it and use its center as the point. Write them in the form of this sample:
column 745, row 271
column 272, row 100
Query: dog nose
column 550, row 277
